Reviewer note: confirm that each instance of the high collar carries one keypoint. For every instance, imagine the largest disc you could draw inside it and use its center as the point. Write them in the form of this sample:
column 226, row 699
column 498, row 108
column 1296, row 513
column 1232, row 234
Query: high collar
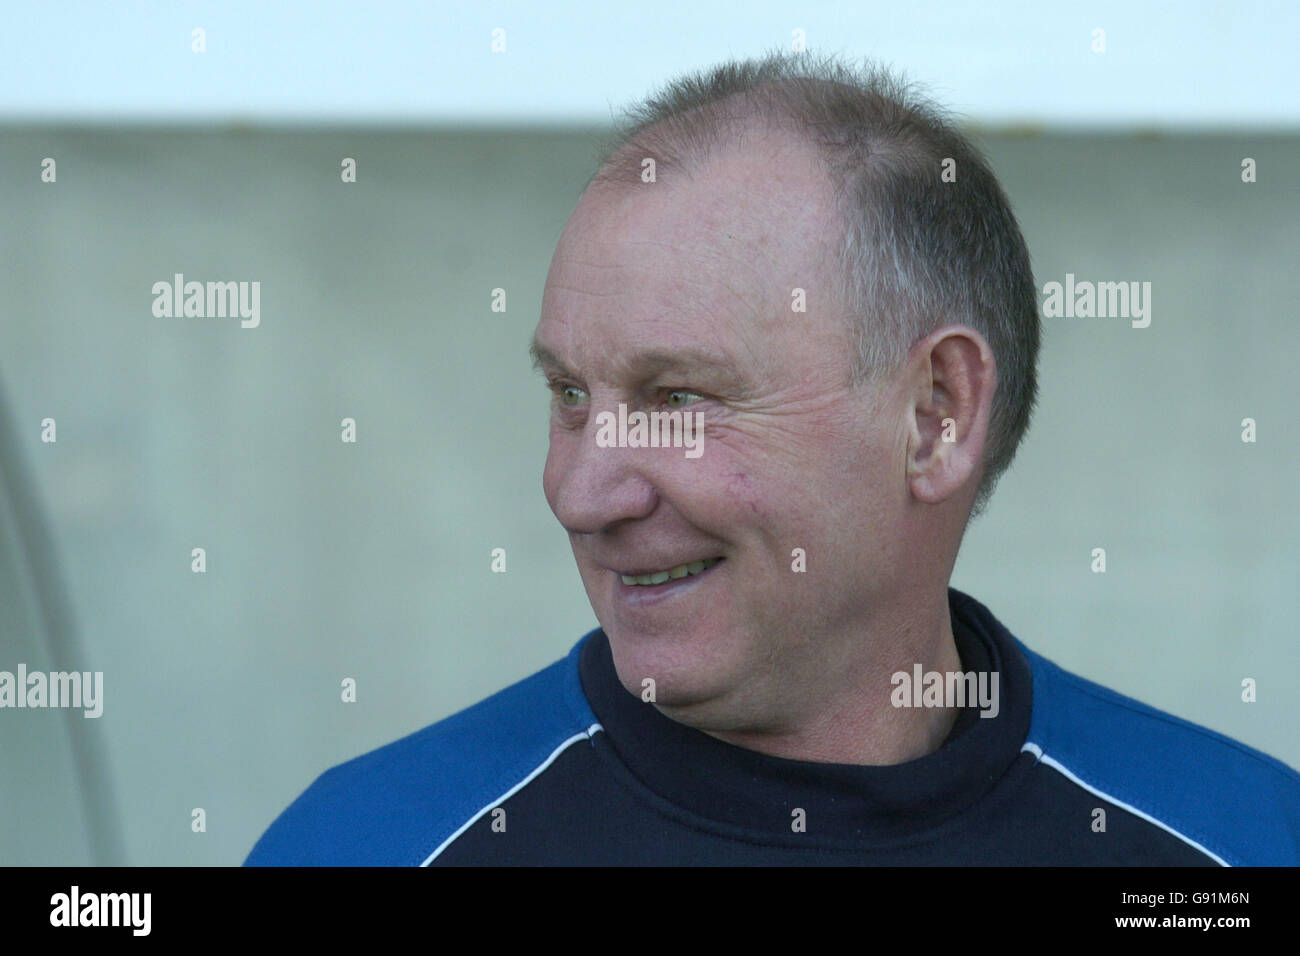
column 744, row 790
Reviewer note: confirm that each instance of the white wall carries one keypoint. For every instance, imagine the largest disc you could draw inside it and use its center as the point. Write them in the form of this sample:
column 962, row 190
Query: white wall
column 1165, row 63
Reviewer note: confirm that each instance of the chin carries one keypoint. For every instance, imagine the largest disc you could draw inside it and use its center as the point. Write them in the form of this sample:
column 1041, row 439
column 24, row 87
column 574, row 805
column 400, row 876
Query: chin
column 686, row 669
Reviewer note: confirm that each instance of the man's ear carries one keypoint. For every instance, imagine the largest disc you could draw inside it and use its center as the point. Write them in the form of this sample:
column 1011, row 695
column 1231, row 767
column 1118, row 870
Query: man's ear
column 954, row 376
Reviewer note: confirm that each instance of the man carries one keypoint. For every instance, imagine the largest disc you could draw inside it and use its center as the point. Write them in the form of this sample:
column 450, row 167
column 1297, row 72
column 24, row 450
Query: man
column 813, row 268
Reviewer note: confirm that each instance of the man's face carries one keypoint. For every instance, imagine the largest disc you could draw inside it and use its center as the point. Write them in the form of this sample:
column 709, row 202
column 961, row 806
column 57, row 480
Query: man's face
column 679, row 297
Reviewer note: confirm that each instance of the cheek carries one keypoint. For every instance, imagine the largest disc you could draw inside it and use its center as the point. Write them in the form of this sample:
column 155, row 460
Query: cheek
column 790, row 506
column 741, row 492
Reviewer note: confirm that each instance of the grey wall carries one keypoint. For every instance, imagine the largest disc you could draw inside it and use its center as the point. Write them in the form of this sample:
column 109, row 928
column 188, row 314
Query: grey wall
column 371, row 561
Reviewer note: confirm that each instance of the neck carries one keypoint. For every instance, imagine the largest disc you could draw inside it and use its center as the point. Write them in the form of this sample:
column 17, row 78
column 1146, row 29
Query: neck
column 840, row 710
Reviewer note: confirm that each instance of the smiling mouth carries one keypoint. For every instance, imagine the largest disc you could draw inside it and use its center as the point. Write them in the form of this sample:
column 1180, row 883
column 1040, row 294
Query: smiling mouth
column 671, row 574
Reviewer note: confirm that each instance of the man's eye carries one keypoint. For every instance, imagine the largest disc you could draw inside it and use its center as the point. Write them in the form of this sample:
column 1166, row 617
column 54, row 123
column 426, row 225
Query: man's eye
column 570, row 394
column 679, row 398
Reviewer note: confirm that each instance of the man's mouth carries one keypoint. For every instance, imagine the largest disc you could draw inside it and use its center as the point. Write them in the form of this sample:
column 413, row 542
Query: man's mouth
column 669, row 574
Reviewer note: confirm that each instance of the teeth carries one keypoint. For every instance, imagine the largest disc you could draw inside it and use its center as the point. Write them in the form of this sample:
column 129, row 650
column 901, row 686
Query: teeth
column 659, row 577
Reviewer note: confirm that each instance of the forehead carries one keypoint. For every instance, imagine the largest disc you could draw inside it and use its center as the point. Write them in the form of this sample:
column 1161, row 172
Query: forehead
column 765, row 195
column 714, row 253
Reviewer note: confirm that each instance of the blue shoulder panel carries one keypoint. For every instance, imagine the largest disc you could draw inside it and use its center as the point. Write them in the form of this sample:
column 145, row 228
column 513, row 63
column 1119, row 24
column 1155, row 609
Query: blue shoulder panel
column 1238, row 805
column 398, row 805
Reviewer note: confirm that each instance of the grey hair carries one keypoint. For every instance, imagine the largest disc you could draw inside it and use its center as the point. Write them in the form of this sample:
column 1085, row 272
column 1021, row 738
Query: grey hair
column 917, row 253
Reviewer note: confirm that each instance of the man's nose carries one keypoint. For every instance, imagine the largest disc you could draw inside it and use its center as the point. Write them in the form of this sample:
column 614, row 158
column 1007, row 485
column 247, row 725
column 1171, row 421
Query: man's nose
column 591, row 488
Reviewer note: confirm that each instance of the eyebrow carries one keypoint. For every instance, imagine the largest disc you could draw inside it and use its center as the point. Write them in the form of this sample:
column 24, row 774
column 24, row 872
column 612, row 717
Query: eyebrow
column 647, row 363
column 543, row 357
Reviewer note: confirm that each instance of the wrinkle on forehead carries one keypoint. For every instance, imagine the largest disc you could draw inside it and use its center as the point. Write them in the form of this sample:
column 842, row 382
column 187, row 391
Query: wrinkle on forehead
column 768, row 212
column 771, row 178
column 720, row 252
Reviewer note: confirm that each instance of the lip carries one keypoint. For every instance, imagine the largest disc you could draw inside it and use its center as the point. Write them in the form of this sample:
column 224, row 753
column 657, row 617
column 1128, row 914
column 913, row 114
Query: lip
column 664, row 567
column 642, row 595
